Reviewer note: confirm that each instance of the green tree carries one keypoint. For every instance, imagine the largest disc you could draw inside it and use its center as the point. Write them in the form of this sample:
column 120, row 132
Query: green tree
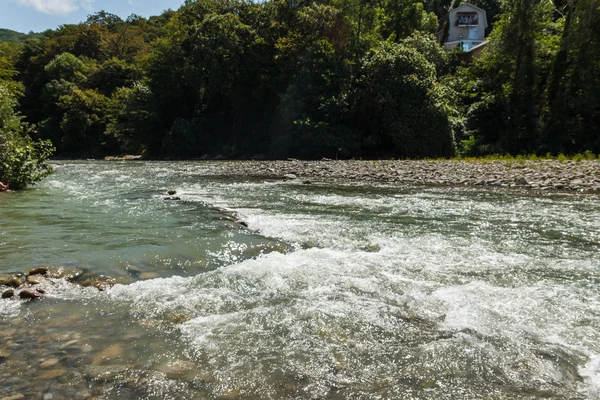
column 22, row 160
column 510, row 79
column 572, row 113
column 398, row 106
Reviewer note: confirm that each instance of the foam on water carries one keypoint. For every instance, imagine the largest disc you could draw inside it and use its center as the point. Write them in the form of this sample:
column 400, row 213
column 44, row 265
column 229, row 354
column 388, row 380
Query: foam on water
column 428, row 293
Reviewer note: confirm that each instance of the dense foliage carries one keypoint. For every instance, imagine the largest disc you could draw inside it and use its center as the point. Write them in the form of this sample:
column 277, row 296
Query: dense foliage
column 7, row 35
column 323, row 78
column 22, row 160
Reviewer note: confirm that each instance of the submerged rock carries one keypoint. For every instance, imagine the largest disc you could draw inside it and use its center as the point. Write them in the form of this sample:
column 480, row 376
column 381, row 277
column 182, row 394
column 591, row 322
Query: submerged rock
column 171, row 192
column 49, row 363
column 178, row 369
column 52, row 373
column 8, row 294
column 110, row 353
column 148, row 275
column 16, row 396
column 105, row 373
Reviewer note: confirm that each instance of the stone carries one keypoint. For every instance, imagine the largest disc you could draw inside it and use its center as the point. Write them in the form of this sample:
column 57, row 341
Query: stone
column 171, row 192
column 86, row 348
column 8, row 294
column 244, row 224
column 38, row 271
column 29, row 295
column 16, row 396
column 10, row 281
column 148, row 275
column 522, row 181
column 307, row 182
column 105, row 373
column 68, row 344
column 49, row 363
column 228, row 218
column 290, row 177
column 52, row 373
column 178, row 369
column 110, row 353
column 4, row 354
column 67, row 273
column 35, row 279
column 231, row 394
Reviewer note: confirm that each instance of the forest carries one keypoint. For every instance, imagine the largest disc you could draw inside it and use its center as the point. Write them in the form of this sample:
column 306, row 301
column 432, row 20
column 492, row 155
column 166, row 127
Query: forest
column 308, row 79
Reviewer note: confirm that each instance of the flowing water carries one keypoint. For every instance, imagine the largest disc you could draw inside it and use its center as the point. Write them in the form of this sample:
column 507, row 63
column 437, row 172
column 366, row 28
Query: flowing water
column 332, row 292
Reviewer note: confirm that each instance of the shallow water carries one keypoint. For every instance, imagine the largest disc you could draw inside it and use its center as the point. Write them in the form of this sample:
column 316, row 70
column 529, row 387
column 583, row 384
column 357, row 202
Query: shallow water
column 343, row 292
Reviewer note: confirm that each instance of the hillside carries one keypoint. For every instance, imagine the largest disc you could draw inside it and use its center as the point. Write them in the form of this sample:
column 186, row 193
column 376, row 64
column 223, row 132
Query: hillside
column 7, row 35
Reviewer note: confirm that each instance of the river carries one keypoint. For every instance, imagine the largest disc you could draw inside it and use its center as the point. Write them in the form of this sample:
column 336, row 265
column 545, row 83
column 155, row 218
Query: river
column 332, row 292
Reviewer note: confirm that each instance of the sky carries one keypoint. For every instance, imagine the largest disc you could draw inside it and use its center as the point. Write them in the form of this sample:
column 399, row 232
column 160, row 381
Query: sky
column 40, row 15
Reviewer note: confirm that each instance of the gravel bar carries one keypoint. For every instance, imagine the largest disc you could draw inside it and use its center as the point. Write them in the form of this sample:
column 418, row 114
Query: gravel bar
column 539, row 174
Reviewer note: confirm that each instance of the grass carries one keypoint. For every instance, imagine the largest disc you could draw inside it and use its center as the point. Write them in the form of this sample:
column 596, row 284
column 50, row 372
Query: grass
column 587, row 155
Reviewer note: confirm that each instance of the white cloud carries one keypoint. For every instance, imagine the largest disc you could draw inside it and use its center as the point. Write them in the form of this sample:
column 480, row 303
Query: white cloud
column 57, row 7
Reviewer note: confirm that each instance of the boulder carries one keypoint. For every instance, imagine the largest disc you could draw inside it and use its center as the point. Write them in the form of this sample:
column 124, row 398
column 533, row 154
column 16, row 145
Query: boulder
column 38, row 271
column 11, row 281
column 29, row 295
column 35, row 279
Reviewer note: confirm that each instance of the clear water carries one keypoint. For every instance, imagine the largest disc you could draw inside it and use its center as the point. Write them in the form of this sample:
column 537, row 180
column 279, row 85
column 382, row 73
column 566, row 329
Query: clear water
column 343, row 292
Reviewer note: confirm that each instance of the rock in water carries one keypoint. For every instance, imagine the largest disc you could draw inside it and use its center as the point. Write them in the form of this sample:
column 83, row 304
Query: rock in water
column 8, row 294
column 17, row 396
column 39, row 271
column 52, row 373
column 110, row 353
column 171, row 192
column 12, row 281
column 148, row 275
column 178, row 369
column 289, row 176
column 49, row 363
column 29, row 295
column 35, row 279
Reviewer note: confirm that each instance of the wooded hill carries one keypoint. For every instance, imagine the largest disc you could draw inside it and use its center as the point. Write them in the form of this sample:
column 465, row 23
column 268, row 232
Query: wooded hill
column 312, row 79
column 6, row 35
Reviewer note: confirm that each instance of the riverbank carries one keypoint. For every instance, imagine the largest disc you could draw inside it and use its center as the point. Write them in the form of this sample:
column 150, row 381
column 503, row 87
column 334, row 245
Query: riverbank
column 539, row 174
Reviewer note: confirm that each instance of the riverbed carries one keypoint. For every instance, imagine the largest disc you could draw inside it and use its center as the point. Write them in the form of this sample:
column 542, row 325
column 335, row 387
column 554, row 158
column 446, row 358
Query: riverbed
column 249, row 286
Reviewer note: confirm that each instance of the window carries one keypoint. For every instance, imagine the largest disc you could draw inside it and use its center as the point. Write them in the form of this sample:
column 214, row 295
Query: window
column 467, row 19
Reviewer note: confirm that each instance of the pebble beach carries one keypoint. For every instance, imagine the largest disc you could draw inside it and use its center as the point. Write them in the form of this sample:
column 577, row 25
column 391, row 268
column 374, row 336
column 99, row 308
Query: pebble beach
column 536, row 175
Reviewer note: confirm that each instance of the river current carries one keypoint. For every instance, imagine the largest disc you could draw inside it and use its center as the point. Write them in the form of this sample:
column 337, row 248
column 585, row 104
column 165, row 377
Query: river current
column 331, row 292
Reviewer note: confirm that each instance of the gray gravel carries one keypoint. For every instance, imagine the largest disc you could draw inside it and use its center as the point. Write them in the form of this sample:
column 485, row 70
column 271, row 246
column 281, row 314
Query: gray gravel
column 539, row 175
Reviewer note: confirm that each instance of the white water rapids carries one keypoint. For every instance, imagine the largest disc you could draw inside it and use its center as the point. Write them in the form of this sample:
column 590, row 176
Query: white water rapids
column 365, row 293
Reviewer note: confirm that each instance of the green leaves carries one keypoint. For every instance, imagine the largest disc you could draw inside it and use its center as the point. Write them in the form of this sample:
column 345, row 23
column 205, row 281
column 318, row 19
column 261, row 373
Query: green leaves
column 22, row 160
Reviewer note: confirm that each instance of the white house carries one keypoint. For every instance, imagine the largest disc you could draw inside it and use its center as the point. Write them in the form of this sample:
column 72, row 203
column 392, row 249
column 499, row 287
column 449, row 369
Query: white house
column 466, row 25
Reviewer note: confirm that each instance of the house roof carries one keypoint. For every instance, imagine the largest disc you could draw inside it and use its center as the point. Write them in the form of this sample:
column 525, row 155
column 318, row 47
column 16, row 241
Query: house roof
column 469, row 5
